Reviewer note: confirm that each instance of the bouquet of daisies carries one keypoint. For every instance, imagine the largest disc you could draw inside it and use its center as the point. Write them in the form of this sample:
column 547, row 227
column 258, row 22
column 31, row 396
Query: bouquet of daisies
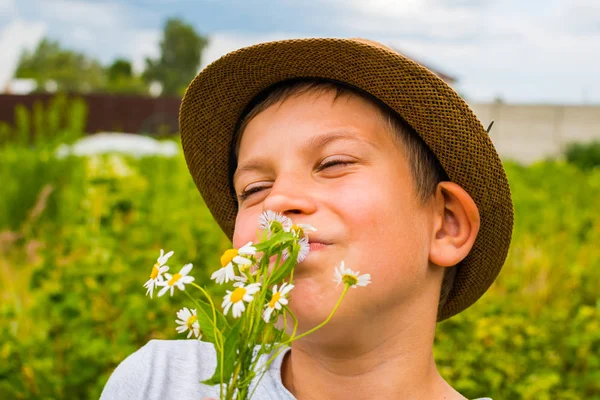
column 261, row 279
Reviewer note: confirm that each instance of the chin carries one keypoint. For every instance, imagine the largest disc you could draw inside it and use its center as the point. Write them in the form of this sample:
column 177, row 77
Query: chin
column 312, row 301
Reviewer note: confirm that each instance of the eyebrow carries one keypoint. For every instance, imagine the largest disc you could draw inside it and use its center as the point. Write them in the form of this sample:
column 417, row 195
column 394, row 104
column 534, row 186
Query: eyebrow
column 323, row 140
column 255, row 164
column 313, row 143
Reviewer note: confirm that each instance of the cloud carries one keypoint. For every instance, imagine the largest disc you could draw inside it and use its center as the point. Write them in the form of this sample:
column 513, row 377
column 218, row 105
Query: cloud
column 534, row 51
column 524, row 51
column 221, row 43
column 142, row 44
column 7, row 7
column 106, row 15
column 577, row 16
column 424, row 18
column 17, row 36
column 104, row 30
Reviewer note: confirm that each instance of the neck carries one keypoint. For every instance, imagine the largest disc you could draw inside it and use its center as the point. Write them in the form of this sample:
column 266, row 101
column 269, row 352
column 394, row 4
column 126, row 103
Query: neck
column 400, row 365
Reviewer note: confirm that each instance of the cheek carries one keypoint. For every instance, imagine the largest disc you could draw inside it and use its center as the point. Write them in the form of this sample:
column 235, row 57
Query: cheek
column 388, row 231
column 246, row 225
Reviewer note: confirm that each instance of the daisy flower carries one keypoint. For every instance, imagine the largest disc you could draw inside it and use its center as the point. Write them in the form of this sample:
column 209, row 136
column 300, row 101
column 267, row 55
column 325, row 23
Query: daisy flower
column 302, row 254
column 267, row 218
column 158, row 269
column 241, row 257
column 277, row 301
column 350, row 278
column 180, row 279
column 300, row 230
column 187, row 320
column 235, row 299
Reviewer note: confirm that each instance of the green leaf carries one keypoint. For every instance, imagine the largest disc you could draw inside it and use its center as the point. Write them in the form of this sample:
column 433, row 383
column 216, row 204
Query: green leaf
column 286, row 268
column 206, row 321
column 229, row 358
column 275, row 240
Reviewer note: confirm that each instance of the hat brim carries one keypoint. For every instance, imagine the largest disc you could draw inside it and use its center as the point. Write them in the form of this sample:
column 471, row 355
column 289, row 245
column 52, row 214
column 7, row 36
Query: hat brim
column 217, row 97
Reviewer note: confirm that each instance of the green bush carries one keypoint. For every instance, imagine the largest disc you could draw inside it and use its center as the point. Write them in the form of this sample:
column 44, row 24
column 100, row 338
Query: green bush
column 73, row 305
column 584, row 155
column 536, row 333
column 79, row 236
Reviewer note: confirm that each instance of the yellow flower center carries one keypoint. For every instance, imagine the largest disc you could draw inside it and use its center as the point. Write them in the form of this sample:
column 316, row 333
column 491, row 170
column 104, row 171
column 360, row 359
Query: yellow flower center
column 349, row 279
column 238, row 294
column 228, row 256
column 155, row 271
column 175, row 278
column 190, row 321
column 299, row 232
column 275, row 299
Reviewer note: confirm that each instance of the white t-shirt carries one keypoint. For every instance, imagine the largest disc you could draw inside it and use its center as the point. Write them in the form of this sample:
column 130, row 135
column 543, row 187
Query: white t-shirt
column 173, row 369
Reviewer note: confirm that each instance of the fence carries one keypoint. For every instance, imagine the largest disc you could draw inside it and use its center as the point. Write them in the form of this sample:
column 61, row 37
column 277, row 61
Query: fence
column 106, row 113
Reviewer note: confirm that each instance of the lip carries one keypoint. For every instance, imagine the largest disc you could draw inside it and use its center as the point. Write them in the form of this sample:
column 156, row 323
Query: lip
column 316, row 246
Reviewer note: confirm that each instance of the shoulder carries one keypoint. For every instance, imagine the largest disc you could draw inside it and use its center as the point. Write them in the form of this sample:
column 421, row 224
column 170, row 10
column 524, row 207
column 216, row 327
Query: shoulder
column 163, row 369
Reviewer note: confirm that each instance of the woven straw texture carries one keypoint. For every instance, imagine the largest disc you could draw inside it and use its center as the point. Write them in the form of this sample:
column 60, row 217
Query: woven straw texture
column 217, row 97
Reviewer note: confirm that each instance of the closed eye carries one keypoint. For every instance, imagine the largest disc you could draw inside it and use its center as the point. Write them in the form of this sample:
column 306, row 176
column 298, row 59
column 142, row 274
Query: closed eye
column 333, row 163
column 246, row 193
column 255, row 189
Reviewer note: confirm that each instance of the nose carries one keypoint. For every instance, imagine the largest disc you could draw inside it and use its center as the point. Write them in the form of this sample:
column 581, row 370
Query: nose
column 290, row 196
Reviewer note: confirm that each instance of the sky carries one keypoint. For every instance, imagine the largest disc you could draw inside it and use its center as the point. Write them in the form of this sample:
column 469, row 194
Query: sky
column 521, row 51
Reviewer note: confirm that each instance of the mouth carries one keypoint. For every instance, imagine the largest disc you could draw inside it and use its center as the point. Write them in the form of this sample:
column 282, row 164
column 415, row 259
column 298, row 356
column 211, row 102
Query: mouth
column 316, row 245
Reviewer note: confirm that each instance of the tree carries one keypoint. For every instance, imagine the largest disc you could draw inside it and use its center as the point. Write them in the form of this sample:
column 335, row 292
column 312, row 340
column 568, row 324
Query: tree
column 120, row 68
column 181, row 50
column 71, row 71
column 122, row 80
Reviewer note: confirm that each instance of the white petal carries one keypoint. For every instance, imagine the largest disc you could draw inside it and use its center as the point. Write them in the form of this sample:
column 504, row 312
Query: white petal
column 253, row 288
column 187, row 279
column 219, row 275
column 150, row 287
column 307, row 227
column 285, row 288
column 247, row 249
column 238, row 309
column 240, row 279
column 163, row 290
column 226, row 299
column 186, row 269
column 364, row 280
column 267, row 314
column 227, row 307
column 242, row 260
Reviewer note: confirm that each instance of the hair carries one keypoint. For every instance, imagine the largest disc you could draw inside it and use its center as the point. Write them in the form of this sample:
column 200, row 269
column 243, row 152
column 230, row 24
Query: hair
column 425, row 168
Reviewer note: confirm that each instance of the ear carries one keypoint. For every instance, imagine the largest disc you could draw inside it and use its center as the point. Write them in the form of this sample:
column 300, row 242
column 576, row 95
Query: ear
column 456, row 224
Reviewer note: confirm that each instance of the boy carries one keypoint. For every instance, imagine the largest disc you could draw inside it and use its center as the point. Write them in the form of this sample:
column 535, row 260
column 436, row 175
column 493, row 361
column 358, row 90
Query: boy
column 395, row 172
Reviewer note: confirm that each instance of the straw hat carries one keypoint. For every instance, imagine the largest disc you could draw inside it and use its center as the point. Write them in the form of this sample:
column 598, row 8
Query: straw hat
column 218, row 96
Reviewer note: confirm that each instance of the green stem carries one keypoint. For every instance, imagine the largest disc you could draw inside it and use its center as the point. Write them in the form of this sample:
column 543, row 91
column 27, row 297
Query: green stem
column 218, row 333
column 295, row 320
column 270, row 360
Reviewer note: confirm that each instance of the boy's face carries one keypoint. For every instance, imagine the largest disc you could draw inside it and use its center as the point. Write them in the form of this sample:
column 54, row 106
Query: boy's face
column 335, row 165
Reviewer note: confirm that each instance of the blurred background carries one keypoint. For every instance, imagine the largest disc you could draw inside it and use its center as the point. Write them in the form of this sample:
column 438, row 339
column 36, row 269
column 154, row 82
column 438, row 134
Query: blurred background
column 93, row 183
